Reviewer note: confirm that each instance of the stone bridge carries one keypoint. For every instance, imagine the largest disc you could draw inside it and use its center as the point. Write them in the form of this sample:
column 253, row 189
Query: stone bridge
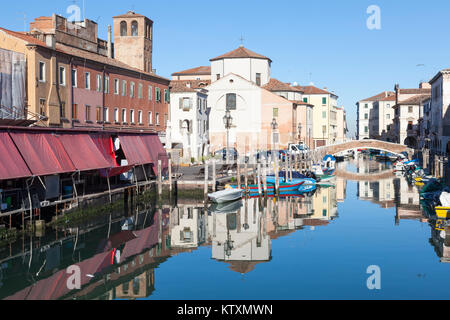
column 365, row 144
column 370, row 177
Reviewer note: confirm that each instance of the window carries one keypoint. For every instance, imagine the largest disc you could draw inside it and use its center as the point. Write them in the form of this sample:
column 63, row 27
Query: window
column 150, row 118
column 87, row 80
column 410, row 125
column 275, row 112
column 124, row 88
column 99, row 83
column 140, row 91
column 140, row 117
column 74, row 78
column 116, row 115
column 324, row 100
column 132, row 116
column 388, row 117
column 231, row 101
column 410, row 109
column 150, row 93
column 185, row 104
column 388, row 106
column 166, row 96
column 305, row 100
column 124, row 115
column 158, row 94
column 116, row 86
column 366, row 116
column 132, row 89
column 106, row 84
column 88, row 113
column 324, row 114
column 106, row 114
column 366, row 129
column 42, row 107
column 218, row 76
column 134, row 29
column 366, row 106
column 123, row 29
column 258, row 79
column 41, row 71
column 157, row 119
column 99, row 114
column 74, row 111
column 62, row 76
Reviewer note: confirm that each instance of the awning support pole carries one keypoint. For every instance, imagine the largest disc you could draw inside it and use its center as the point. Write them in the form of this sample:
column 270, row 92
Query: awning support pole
column 109, row 188
column 145, row 173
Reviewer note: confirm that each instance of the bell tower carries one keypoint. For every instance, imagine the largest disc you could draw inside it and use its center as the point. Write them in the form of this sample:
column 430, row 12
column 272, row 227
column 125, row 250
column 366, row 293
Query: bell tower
column 133, row 40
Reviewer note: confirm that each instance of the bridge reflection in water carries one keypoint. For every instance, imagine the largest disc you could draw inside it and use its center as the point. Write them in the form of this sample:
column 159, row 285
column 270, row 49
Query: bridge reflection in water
column 239, row 238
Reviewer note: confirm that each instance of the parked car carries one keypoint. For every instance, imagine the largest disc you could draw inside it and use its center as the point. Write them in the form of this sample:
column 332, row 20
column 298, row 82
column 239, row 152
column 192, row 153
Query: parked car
column 222, row 154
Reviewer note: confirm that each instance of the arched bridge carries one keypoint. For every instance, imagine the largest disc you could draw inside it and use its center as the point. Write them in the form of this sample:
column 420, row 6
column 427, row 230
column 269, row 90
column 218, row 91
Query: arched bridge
column 371, row 177
column 365, row 144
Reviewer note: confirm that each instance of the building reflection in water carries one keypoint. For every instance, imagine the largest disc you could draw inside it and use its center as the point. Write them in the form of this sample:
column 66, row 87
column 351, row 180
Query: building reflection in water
column 239, row 235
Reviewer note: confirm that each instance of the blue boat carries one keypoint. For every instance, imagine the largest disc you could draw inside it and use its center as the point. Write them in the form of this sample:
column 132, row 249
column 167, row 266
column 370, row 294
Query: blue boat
column 306, row 181
column 307, row 188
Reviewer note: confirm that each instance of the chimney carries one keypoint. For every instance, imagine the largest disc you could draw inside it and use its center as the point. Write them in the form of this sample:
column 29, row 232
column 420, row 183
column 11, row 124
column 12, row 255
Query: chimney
column 109, row 42
column 424, row 85
column 50, row 41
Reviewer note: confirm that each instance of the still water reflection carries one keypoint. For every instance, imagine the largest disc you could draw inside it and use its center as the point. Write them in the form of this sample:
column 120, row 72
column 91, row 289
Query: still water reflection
column 313, row 247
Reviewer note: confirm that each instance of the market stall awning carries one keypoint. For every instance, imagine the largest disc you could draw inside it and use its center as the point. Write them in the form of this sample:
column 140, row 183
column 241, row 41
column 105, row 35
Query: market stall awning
column 157, row 151
column 43, row 152
column 135, row 150
column 12, row 165
column 83, row 152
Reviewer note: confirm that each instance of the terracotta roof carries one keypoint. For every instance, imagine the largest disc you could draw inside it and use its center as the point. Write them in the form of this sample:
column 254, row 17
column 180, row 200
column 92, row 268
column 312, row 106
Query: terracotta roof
column 243, row 267
column 79, row 53
column 277, row 85
column 188, row 85
column 194, row 71
column 302, row 103
column 130, row 14
column 25, row 37
column 416, row 100
column 240, row 52
column 313, row 90
column 414, row 91
column 380, row 96
column 315, row 222
column 389, row 98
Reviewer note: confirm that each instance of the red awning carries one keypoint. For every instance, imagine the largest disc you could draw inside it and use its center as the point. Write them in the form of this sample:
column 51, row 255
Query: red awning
column 12, row 165
column 135, row 150
column 43, row 153
column 105, row 145
column 83, row 152
column 157, row 151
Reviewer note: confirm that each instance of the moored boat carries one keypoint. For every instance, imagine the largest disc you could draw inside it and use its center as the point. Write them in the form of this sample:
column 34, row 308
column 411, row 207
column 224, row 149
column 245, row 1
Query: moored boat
column 227, row 195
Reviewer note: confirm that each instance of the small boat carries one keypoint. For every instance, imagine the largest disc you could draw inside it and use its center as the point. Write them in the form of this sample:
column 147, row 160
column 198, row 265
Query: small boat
column 443, row 211
column 227, row 207
column 227, row 195
column 293, row 183
column 307, row 188
column 270, row 187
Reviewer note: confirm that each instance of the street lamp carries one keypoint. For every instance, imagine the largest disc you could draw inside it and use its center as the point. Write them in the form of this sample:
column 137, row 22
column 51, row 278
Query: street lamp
column 228, row 122
column 274, row 126
column 300, row 127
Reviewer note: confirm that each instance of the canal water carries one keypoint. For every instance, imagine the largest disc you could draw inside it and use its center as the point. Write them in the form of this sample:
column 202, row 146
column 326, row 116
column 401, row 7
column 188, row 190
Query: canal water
column 314, row 247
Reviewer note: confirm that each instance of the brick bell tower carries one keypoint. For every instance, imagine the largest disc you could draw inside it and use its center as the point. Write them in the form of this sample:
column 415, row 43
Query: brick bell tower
column 133, row 40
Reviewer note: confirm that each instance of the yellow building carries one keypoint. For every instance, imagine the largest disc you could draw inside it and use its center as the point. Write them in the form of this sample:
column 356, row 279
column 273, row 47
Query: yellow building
column 325, row 115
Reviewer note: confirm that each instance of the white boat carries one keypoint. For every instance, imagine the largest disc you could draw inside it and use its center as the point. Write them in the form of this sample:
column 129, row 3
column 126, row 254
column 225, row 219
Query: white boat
column 228, row 207
column 227, row 195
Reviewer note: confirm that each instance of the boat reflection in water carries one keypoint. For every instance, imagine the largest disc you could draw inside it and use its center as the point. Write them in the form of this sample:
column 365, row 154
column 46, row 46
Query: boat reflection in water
column 118, row 256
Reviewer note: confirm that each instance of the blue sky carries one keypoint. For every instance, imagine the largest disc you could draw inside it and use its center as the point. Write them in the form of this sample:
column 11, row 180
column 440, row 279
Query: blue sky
column 326, row 42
